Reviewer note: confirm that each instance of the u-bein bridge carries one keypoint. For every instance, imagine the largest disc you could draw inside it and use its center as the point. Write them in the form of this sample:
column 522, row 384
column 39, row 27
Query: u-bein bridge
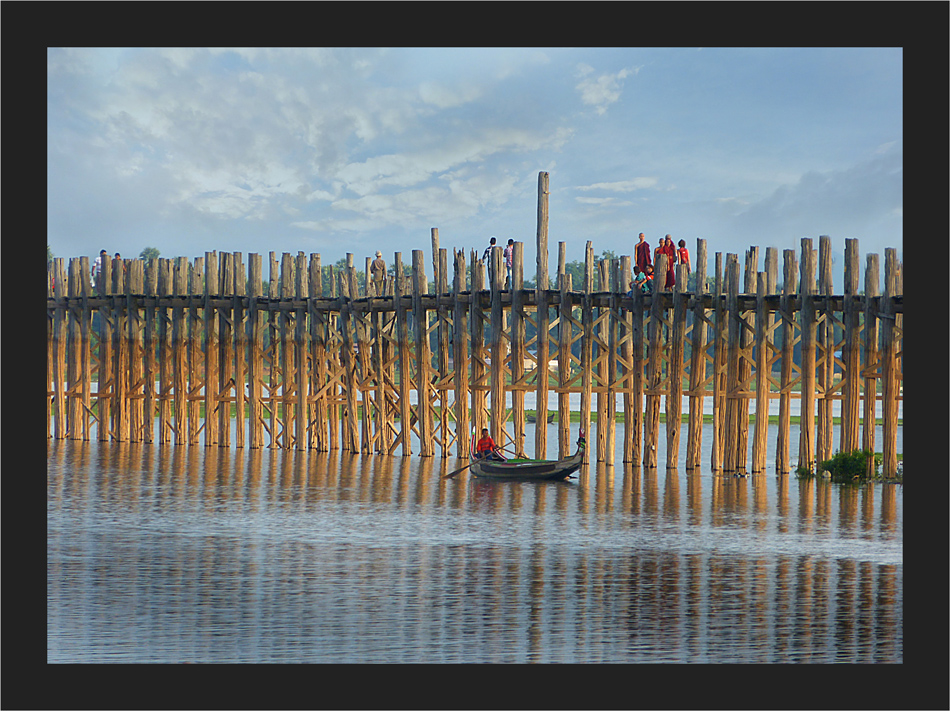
column 179, row 351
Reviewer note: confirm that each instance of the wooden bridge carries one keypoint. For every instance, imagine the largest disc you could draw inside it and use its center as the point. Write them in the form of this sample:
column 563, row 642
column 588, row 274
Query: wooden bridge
column 181, row 351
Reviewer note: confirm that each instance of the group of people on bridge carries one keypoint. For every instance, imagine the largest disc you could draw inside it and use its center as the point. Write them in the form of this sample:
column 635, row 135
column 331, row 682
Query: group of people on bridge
column 643, row 262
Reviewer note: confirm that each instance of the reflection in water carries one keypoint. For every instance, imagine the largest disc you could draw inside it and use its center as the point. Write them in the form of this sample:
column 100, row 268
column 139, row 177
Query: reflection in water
column 159, row 554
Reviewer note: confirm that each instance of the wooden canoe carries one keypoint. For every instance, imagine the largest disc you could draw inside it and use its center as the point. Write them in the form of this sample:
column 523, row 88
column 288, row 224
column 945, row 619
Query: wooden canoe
column 541, row 469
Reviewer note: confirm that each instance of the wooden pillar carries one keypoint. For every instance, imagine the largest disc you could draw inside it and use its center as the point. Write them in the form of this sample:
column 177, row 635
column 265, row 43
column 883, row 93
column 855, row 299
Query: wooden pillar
column 211, row 350
column 746, row 345
column 719, row 370
column 74, row 349
column 444, row 334
column 318, row 356
column 634, row 421
column 826, row 364
column 762, row 374
column 851, row 354
column 85, row 327
column 541, row 433
column 148, row 343
column 788, row 351
column 477, row 387
column 674, row 401
column 402, row 331
column 120, row 347
column 288, row 352
column 587, row 347
column 731, row 461
column 602, row 357
column 498, row 403
column 420, row 287
column 135, row 286
column 565, row 340
column 654, row 368
column 516, row 364
column 225, row 349
column 871, row 293
column 889, row 372
column 60, row 336
column 807, row 319
column 239, row 328
column 302, row 288
column 195, row 371
column 460, row 358
column 613, row 324
column 697, row 365
column 350, row 381
column 255, row 360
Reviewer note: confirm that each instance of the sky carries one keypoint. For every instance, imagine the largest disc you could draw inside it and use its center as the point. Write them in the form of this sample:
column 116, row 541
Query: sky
column 350, row 150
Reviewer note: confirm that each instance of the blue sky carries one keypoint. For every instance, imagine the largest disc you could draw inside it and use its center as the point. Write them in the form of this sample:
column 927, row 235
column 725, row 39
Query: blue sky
column 353, row 150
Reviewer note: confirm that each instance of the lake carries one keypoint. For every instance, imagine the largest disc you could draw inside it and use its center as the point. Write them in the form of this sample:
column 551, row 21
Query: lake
column 190, row 554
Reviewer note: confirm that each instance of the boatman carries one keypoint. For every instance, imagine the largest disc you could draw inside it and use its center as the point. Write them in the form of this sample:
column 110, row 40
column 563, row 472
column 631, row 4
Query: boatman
column 486, row 448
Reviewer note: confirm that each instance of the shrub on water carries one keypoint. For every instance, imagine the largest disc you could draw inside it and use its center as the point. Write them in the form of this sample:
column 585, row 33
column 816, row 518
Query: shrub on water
column 846, row 466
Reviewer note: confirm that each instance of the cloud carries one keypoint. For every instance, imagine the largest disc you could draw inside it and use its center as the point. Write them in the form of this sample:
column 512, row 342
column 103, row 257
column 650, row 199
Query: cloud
column 622, row 186
column 604, row 90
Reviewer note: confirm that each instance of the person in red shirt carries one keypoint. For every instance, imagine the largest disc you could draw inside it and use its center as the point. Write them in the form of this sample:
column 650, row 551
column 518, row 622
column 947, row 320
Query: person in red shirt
column 683, row 254
column 670, row 252
column 642, row 254
column 486, row 448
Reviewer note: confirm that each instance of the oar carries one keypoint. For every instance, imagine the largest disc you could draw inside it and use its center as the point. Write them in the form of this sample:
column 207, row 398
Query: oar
column 449, row 476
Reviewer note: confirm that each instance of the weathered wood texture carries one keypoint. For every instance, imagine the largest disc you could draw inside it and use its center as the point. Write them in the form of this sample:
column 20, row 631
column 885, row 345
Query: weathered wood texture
column 191, row 353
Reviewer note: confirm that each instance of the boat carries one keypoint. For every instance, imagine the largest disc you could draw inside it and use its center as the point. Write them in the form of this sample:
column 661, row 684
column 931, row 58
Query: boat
column 540, row 469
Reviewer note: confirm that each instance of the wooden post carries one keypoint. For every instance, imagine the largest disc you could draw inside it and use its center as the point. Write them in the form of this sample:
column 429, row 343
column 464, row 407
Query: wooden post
column 635, row 409
column 625, row 343
column 423, row 355
column 674, row 401
column 460, row 358
column 444, row 333
column 587, row 328
column 612, row 321
column 211, row 350
column 86, row 353
column 852, row 351
column 872, row 276
column 60, row 385
column 150, row 290
column 318, row 356
column 120, row 343
column 826, row 364
column 889, row 373
column 697, row 366
column 541, row 347
column 350, row 381
column 195, row 370
column 476, row 320
column 225, row 350
column 731, row 461
column 74, row 347
column 255, row 360
column 402, row 330
column 498, row 404
column 565, row 340
column 135, row 286
column 788, row 350
column 807, row 319
column 516, row 364
column 719, row 371
column 302, row 288
column 239, row 326
column 602, row 358
column 273, row 351
column 762, row 374
column 654, row 368
column 746, row 345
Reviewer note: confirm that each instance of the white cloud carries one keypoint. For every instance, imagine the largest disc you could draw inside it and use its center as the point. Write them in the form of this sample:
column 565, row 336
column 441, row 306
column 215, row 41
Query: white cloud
column 604, row 90
column 622, row 186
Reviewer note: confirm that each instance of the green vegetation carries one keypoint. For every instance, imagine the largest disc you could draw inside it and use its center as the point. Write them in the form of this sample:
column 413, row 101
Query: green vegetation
column 855, row 467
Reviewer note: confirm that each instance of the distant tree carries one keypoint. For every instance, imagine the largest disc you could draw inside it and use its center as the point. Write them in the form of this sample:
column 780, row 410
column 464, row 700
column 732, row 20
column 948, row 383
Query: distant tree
column 49, row 254
column 149, row 253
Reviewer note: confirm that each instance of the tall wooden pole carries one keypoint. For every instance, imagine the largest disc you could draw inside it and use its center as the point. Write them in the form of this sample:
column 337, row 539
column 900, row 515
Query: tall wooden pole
column 541, row 433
